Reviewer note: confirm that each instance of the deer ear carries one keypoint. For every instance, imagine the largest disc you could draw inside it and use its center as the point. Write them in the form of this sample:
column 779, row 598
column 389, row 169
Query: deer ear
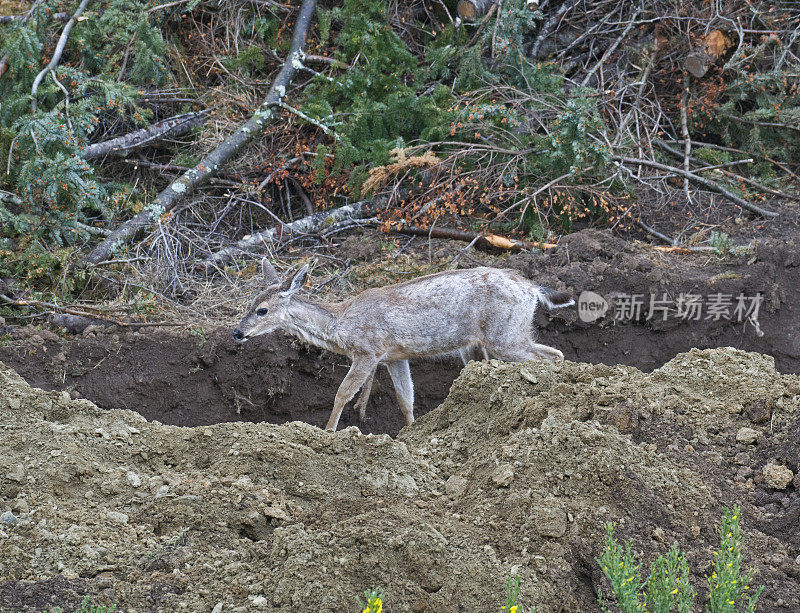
column 270, row 275
column 297, row 282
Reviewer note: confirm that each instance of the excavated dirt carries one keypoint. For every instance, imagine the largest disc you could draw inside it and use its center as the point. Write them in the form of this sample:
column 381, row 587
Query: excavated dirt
column 514, row 473
column 192, row 379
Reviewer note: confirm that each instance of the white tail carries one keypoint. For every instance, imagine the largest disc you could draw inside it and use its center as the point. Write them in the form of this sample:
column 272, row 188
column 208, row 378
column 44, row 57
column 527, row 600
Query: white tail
column 451, row 312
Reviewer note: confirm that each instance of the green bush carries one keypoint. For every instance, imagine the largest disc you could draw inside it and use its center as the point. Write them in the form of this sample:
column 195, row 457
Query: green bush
column 667, row 588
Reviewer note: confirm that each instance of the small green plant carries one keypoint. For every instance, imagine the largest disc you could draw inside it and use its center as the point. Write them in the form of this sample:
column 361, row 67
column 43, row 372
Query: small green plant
column 512, row 597
column 88, row 607
column 721, row 243
column 373, row 601
column 667, row 588
column 730, row 590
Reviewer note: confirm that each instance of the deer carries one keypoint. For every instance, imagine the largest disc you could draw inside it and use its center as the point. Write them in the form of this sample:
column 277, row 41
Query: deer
column 450, row 313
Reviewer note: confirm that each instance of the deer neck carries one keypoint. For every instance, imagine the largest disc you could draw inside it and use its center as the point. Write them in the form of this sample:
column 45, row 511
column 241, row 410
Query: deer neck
column 313, row 324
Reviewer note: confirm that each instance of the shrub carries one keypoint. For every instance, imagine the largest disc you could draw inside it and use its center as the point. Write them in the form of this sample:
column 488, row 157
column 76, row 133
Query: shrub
column 667, row 588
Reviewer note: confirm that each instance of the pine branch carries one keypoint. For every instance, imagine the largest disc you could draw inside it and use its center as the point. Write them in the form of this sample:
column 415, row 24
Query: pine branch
column 216, row 160
column 62, row 42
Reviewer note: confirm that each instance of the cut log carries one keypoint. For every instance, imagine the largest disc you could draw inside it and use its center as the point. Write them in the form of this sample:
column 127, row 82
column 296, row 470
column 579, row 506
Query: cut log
column 713, row 46
column 471, row 10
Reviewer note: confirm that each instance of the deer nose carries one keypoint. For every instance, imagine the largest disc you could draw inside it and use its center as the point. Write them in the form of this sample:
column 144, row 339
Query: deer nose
column 238, row 334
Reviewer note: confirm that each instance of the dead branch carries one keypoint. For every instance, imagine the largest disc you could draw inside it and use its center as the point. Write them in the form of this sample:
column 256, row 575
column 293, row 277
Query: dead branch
column 56, row 308
column 214, row 161
column 712, row 185
column 730, row 175
column 307, row 225
column 120, row 146
column 549, row 26
column 62, row 42
column 480, row 240
column 611, row 49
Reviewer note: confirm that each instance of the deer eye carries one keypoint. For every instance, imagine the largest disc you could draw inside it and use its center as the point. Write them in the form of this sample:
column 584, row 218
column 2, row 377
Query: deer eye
column 261, row 312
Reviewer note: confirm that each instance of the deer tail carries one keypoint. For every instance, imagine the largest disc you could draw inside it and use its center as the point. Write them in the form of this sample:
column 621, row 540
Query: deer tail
column 554, row 299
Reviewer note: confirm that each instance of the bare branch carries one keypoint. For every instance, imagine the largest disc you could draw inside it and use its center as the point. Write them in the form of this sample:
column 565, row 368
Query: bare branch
column 214, row 161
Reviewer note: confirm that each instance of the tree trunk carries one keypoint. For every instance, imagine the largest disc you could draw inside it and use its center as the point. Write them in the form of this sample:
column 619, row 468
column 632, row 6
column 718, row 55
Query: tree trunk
column 217, row 159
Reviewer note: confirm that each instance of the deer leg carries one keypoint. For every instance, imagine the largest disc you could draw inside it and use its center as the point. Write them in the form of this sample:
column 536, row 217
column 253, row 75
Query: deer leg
column 529, row 351
column 485, row 353
column 363, row 398
column 400, row 372
column 464, row 355
column 361, row 369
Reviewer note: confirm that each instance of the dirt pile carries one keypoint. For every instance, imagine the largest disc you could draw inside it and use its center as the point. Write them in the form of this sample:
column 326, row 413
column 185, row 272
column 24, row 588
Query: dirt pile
column 514, row 473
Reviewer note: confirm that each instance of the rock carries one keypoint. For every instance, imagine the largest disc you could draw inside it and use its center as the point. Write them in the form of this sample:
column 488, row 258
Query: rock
column 659, row 534
column 217, row 608
column 503, row 475
column 14, row 404
column 20, row 506
column 259, row 601
column 745, row 435
column 7, row 518
column 2, row 322
column 117, row 517
column 17, row 473
column 549, row 521
column 455, row 486
column 776, row 476
column 134, row 479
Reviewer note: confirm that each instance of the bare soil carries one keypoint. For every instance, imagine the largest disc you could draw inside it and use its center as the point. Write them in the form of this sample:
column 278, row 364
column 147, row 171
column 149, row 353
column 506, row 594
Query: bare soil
column 159, row 494
column 514, row 473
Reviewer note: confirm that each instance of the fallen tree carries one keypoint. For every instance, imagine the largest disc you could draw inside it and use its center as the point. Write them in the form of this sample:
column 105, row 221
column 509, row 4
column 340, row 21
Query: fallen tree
column 174, row 126
column 307, row 225
column 211, row 164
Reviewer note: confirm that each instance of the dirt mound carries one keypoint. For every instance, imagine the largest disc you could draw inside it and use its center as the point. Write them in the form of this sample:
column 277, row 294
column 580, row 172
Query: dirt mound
column 514, row 473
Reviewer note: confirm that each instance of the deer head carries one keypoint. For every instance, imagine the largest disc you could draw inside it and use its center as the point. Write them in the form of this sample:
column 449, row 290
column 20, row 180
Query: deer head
column 269, row 309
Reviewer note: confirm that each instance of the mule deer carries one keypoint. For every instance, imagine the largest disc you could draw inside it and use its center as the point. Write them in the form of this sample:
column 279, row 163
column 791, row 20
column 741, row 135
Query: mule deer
column 450, row 312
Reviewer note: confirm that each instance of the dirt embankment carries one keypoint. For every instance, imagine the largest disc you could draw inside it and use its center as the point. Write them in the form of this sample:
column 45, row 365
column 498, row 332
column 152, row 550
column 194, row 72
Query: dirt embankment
column 199, row 379
column 514, row 473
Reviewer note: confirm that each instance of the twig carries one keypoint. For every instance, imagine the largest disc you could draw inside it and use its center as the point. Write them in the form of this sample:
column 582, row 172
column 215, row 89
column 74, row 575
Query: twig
column 611, row 49
column 699, row 180
column 62, row 42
